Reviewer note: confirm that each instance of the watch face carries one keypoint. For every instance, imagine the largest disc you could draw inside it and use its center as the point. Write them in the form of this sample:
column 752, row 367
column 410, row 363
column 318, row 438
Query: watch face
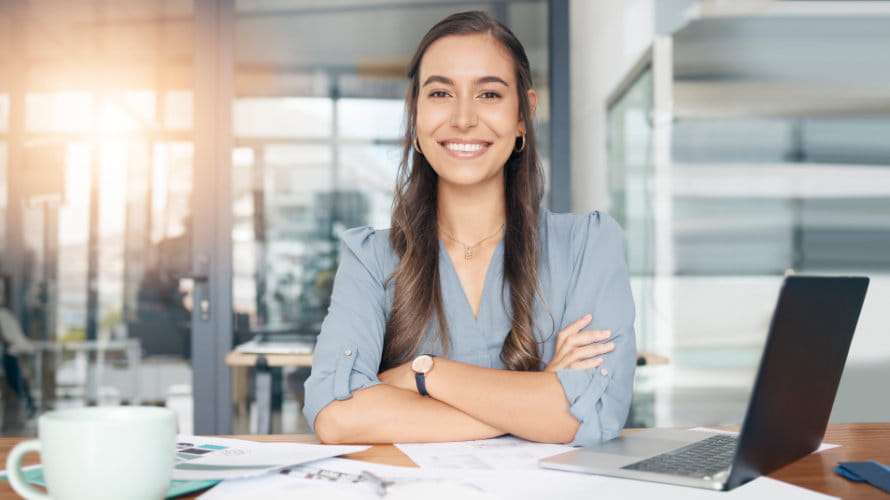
column 422, row 364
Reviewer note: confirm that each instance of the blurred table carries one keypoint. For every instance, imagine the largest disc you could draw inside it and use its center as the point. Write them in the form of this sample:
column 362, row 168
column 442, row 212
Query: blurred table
column 269, row 354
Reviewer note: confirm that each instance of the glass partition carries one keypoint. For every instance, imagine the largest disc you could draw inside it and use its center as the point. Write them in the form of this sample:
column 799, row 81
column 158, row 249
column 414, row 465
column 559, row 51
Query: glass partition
column 4, row 195
column 104, row 158
column 632, row 167
column 102, row 196
column 766, row 174
column 4, row 201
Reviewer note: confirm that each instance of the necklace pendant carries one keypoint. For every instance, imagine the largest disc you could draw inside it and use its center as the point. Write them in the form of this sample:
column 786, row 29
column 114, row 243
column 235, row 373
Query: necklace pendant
column 468, row 253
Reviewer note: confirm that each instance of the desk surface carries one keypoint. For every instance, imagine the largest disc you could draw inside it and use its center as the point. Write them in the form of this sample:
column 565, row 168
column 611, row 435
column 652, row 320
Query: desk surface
column 859, row 442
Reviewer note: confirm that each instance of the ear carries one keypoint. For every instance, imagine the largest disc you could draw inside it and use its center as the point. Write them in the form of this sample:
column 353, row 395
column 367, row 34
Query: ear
column 533, row 104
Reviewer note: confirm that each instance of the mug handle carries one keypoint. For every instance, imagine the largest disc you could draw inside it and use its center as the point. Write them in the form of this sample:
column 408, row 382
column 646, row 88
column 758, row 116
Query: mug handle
column 14, row 470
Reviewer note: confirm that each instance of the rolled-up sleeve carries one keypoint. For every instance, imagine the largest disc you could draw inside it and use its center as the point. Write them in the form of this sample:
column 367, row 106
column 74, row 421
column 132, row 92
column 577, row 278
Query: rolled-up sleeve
column 600, row 398
column 348, row 352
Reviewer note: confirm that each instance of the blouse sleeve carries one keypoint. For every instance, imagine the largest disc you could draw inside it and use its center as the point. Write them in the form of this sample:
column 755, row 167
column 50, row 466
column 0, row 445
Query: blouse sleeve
column 599, row 398
column 348, row 352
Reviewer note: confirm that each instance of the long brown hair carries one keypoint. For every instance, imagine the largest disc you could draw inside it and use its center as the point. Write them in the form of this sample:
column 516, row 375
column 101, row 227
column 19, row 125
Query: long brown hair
column 414, row 233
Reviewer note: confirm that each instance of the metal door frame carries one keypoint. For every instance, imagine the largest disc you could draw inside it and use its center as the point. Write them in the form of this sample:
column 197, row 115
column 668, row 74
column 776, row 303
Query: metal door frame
column 211, row 322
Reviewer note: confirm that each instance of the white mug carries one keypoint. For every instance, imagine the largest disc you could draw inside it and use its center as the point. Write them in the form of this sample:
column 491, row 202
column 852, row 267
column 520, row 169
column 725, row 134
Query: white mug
column 100, row 453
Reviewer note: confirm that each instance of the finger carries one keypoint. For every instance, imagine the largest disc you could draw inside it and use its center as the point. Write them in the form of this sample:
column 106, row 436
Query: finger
column 579, row 340
column 581, row 353
column 588, row 337
column 574, row 327
column 591, row 351
column 587, row 364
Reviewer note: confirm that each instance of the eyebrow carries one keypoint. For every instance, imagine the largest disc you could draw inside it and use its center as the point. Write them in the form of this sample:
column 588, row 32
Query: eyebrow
column 478, row 81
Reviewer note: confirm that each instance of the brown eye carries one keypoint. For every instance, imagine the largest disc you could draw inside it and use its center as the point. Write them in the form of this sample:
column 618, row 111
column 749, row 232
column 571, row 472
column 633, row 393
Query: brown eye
column 490, row 95
column 438, row 93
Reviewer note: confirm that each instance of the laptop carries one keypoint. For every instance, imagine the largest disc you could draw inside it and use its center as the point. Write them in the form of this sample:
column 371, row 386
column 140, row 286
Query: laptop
column 799, row 373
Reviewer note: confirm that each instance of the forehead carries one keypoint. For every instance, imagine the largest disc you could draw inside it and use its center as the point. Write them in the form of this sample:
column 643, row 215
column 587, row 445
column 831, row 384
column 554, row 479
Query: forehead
column 467, row 57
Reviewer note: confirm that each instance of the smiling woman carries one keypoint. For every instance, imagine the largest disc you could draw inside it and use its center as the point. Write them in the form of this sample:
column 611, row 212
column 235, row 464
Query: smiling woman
column 478, row 313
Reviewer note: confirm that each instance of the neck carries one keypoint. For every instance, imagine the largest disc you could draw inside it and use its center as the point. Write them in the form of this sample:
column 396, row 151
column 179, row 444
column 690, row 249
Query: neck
column 471, row 213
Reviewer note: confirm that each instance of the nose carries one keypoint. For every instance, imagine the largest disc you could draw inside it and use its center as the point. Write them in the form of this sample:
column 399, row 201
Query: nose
column 464, row 116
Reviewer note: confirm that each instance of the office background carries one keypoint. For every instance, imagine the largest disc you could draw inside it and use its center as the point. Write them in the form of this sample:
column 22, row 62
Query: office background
column 174, row 175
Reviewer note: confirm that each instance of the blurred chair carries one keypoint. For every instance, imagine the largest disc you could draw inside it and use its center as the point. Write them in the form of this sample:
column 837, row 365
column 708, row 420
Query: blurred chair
column 13, row 345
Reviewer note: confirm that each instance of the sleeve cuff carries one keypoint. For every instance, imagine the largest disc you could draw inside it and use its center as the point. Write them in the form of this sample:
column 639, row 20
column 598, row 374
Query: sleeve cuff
column 584, row 390
column 339, row 385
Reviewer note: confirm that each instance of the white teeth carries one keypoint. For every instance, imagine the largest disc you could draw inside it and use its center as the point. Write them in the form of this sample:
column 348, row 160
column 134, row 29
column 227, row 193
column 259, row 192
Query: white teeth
column 464, row 147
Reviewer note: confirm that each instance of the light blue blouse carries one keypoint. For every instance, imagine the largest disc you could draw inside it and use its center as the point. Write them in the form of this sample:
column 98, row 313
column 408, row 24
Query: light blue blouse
column 582, row 270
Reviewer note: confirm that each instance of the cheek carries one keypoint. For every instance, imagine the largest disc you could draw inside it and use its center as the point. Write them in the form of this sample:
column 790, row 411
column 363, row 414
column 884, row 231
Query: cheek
column 428, row 118
column 504, row 121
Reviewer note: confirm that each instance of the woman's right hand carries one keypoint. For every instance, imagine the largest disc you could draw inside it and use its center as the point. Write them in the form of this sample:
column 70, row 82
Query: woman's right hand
column 577, row 349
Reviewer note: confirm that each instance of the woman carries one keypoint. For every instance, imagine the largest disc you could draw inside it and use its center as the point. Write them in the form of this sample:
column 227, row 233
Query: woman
column 527, row 314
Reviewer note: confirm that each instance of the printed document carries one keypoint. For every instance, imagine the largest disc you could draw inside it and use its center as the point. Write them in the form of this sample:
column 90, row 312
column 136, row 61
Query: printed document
column 202, row 457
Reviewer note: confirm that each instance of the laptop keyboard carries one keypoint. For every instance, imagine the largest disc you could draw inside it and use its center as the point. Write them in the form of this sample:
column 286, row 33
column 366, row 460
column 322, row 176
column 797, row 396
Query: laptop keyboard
column 701, row 459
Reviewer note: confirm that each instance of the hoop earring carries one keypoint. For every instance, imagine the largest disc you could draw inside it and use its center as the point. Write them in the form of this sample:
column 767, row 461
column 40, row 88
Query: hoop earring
column 417, row 145
column 521, row 148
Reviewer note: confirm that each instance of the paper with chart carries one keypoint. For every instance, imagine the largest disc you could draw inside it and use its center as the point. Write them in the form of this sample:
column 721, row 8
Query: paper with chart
column 338, row 478
column 505, row 452
column 202, row 457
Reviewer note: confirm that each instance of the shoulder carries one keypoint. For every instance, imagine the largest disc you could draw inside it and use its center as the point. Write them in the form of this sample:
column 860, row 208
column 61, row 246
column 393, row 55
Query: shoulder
column 581, row 230
column 370, row 247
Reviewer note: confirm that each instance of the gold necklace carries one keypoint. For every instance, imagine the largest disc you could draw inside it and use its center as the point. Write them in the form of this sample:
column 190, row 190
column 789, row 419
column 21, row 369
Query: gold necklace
column 468, row 250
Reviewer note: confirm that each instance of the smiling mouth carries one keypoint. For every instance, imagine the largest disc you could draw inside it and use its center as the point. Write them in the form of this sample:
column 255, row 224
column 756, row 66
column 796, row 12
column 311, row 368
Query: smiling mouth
column 465, row 149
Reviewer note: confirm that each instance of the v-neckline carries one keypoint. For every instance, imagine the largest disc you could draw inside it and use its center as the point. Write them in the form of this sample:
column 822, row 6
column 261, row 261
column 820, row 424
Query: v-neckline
column 443, row 251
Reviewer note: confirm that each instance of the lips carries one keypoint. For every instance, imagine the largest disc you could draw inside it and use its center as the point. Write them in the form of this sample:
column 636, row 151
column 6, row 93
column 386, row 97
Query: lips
column 465, row 148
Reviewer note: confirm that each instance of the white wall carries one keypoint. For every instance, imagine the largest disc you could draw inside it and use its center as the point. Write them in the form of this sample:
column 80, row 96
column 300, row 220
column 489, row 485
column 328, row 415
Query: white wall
column 607, row 37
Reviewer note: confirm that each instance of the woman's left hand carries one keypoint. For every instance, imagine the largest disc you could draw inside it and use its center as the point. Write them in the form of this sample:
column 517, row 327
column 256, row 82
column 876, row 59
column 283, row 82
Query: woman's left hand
column 579, row 350
column 401, row 376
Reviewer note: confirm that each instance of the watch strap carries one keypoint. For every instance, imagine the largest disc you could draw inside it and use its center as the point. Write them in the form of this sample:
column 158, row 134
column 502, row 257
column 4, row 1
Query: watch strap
column 420, row 379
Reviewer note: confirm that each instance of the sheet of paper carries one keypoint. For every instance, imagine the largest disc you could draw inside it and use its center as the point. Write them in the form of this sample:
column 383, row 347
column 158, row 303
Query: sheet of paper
column 505, row 452
column 202, row 457
column 341, row 478
column 279, row 487
column 822, row 447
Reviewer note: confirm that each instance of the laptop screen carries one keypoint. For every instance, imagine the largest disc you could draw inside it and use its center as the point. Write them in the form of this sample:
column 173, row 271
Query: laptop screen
column 799, row 373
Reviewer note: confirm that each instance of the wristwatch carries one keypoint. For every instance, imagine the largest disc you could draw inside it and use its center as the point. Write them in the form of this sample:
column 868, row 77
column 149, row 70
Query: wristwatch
column 422, row 365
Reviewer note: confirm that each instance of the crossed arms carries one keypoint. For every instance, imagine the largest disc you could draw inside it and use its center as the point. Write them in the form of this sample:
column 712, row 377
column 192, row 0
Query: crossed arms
column 467, row 401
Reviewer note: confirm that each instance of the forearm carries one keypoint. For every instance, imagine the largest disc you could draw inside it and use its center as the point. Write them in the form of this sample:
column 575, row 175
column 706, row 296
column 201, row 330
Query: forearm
column 387, row 414
column 531, row 405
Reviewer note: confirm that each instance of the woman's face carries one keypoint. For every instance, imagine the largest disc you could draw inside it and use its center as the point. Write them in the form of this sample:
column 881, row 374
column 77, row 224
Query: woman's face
column 468, row 108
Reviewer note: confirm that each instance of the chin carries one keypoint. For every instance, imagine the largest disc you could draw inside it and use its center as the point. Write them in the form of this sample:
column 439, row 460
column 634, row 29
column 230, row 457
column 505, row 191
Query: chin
column 463, row 173
column 468, row 176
